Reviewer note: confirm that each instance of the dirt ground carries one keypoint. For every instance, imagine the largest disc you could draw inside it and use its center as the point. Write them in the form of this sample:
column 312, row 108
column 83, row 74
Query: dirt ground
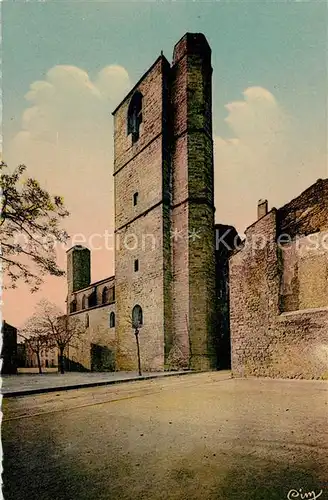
column 202, row 436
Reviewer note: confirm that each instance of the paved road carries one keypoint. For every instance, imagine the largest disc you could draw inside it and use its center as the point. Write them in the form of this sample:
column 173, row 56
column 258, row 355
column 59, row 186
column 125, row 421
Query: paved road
column 199, row 437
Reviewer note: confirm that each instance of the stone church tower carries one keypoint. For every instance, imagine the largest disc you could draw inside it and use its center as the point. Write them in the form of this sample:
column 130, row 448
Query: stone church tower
column 78, row 269
column 164, row 213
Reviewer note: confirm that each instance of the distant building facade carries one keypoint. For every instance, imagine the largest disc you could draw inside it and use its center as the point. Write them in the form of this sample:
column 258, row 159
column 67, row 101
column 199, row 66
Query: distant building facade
column 48, row 357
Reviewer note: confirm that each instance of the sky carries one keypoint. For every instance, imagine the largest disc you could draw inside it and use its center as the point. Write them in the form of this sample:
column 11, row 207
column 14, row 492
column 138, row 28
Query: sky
column 66, row 65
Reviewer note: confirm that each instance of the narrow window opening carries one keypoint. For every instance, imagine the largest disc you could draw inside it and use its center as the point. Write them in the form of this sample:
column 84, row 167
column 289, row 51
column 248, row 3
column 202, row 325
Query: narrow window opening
column 135, row 199
column 136, row 265
column 135, row 116
column 137, row 316
column 112, row 320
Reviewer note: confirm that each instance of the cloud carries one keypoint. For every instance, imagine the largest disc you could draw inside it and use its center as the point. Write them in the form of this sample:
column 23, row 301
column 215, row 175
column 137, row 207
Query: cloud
column 70, row 104
column 261, row 159
column 66, row 135
column 66, row 141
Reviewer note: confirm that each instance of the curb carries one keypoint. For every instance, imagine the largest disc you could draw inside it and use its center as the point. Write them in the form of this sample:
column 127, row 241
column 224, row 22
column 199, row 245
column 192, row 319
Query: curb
column 29, row 392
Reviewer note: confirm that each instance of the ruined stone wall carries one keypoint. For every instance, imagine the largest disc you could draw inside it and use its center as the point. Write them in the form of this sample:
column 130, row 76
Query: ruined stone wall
column 304, row 280
column 278, row 293
column 307, row 213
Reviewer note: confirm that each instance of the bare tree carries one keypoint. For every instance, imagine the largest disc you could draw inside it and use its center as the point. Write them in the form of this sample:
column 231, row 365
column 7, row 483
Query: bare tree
column 59, row 329
column 35, row 340
column 29, row 228
column 64, row 333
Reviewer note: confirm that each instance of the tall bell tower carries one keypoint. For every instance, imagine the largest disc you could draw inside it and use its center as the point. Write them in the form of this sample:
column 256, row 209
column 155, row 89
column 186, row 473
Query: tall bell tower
column 164, row 213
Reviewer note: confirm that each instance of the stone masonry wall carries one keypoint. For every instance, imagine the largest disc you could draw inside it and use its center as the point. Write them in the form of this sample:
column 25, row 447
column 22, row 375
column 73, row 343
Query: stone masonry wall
column 254, row 299
column 278, row 294
column 193, row 253
column 97, row 347
column 304, row 280
column 179, row 355
column 144, row 287
column 167, row 200
column 78, row 268
column 307, row 213
column 140, row 230
column 96, row 288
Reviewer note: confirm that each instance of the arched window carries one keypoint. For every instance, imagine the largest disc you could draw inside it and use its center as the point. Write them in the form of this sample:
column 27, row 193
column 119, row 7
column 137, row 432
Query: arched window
column 137, row 319
column 112, row 320
column 87, row 320
column 135, row 116
column 105, row 295
column 92, row 300
column 73, row 306
column 84, row 302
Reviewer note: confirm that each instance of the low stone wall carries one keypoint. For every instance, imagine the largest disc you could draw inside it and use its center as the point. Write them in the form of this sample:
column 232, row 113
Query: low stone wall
column 296, row 348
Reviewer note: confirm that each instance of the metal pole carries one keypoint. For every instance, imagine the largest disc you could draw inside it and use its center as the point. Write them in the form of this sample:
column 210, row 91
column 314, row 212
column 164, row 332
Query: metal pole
column 138, row 351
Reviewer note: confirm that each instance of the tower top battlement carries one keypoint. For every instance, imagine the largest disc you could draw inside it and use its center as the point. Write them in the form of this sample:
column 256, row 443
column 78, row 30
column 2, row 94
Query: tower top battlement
column 78, row 248
column 192, row 44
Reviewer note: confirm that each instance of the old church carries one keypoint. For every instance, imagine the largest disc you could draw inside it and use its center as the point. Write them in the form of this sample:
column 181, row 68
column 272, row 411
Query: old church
column 187, row 280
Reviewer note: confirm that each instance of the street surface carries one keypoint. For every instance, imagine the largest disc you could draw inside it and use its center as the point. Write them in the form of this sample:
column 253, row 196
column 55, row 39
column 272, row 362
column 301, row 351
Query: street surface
column 38, row 382
column 197, row 437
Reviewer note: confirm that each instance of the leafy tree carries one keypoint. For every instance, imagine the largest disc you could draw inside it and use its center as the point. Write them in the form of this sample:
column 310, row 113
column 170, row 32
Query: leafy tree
column 59, row 329
column 29, row 228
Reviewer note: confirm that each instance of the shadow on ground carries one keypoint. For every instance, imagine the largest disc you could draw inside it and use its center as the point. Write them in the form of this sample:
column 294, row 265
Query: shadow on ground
column 53, row 470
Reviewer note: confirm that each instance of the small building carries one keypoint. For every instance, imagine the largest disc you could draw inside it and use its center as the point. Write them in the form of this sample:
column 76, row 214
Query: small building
column 279, row 291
